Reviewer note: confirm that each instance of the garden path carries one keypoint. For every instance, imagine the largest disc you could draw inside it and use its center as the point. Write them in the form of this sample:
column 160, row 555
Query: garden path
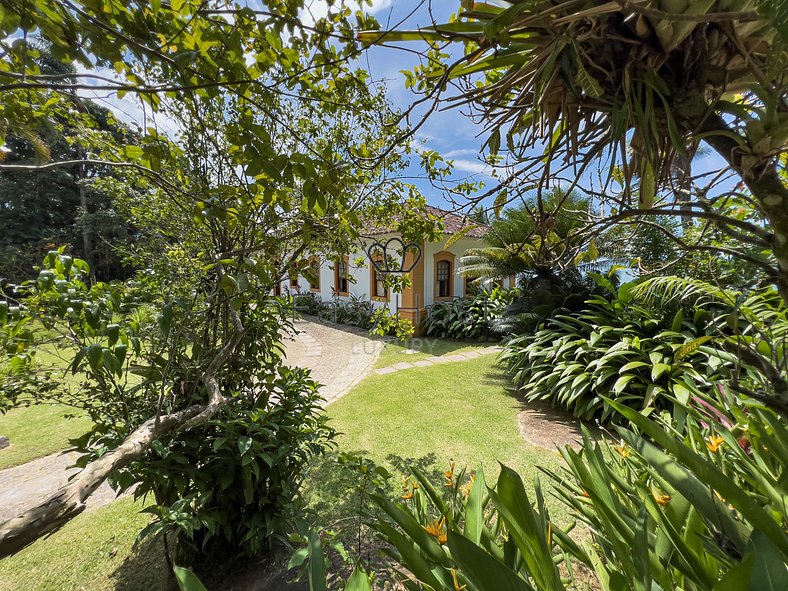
column 338, row 359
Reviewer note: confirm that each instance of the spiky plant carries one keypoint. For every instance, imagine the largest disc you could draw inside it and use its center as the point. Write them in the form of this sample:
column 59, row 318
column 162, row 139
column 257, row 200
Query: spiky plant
column 637, row 82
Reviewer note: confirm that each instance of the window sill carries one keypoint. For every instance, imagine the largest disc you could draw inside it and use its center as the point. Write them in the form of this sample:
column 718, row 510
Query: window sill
column 314, row 289
column 341, row 293
column 444, row 299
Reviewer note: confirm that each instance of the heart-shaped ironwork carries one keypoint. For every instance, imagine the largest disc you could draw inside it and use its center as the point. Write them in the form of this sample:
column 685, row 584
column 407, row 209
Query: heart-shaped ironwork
column 383, row 266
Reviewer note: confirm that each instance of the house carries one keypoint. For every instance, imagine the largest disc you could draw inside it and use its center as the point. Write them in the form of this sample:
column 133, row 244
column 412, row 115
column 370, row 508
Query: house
column 433, row 274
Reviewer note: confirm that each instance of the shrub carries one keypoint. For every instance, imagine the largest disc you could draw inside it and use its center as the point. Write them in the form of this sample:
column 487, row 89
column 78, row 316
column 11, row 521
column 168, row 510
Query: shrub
column 466, row 318
column 639, row 356
column 355, row 312
column 234, row 484
column 308, row 303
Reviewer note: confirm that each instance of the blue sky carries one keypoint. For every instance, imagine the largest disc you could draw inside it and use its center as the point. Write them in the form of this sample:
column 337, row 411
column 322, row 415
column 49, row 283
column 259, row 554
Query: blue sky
column 451, row 133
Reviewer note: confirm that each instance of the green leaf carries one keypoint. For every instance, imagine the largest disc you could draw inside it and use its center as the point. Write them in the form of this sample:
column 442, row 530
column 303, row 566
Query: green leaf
column 622, row 382
column 500, row 201
column 358, row 581
column 698, row 478
column 494, row 143
column 244, row 444
column 474, row 508
column 187, row 580
column 317, row 564
column 687, row 350
column 481, row 569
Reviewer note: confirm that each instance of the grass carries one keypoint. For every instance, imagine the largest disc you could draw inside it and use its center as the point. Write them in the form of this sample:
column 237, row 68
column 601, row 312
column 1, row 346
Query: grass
column 37, row 431
column 421, row 416
column 92, row 552
column 395, row 351
column 426, row 417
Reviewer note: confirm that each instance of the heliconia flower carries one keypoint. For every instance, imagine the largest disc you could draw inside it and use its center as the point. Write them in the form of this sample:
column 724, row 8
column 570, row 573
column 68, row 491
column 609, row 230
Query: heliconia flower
column 714, row 443
column 457, row 586
column 466, row 488
column 437, row 529
column 623, row 450
column 661, row 498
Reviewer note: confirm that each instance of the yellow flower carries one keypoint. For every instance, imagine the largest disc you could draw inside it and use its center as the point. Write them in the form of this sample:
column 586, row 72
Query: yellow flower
column 661, row 498
column 407, row 495
column 437, row 529
column 714, row 443
column 457, row 586
column 466, row 489
column 623, row 450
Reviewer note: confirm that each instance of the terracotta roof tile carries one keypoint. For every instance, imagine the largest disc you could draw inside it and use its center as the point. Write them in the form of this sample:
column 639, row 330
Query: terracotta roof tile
column 452, row 223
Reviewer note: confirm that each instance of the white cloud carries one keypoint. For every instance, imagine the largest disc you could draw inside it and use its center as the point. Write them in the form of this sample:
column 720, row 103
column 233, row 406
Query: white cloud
column 461, row 152
column 473, row 166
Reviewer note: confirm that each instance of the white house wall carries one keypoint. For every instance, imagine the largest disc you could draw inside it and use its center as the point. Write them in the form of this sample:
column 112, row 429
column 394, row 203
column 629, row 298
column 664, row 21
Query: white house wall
column 360, row 285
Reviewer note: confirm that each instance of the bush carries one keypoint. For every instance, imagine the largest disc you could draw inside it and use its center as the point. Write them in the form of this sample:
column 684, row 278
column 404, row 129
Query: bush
column 542, row 296
column 234, row 484
column 615, row 349
column 469, row 317
column 308, row 303
column 355, row 312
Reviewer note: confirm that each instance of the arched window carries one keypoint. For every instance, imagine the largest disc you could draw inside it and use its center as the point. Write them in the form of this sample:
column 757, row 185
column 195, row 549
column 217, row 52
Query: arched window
column 377, row 287
column 443, row 279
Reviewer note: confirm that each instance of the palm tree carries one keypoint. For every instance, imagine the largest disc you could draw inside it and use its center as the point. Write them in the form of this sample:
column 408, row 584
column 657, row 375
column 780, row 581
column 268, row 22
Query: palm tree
column 538, row 238
column 540, row 243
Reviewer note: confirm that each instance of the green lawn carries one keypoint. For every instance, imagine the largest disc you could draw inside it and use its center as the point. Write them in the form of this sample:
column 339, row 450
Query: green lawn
column 37, row 431
column 421, row 416
column 92, row 552
column 424, row 347
column 426, row 417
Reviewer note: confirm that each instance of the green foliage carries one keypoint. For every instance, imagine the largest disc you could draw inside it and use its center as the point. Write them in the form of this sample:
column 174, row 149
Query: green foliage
column 645, row 357
column 468, row 318
column 385, row 323
column 703, row 509
column 308, row 303
column 234, row 485
column 355, row 311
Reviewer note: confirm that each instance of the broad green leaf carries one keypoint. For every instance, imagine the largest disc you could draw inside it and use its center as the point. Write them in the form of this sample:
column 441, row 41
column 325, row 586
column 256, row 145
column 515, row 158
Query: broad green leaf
column 317, row 564
column 358, row 581
column 187, row 580
column 486, row 573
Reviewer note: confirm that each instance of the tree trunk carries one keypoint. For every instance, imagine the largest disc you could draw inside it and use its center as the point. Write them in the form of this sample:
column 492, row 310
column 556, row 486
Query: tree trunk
column 69, row 500
column 766, row 186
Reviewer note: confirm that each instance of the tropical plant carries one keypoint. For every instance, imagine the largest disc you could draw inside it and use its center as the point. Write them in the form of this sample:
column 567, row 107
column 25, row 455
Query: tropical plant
column 651, row 356
column 531, row 241
column 308, row 303
column 700, row 509
column 465, row 318
column 632, row 87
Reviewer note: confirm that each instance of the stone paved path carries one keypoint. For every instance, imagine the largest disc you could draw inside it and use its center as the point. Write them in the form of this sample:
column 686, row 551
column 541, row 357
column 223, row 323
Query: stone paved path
column 338, row 358
column 20, row 486
column 434, row 360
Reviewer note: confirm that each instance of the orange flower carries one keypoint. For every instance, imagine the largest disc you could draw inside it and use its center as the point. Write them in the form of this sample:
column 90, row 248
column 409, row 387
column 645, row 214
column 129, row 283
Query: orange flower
column 466, row 489
column 623, row 450
column 449, row 475
column 585, row 494
column 407, row 495
column 408, row 488
column 714, row 443
column 661, row 498
column 437, row 529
